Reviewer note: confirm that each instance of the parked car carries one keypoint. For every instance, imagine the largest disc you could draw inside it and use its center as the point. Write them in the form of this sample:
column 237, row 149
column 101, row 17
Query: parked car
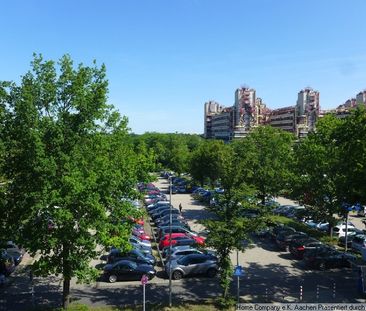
column 167, row 218
column 297, row 247
column 165, row 251
column 284, row 238
column 7, row 265
column 191, row 265
column 127, row 270
column 141, row 235
column 150, row 208
column 341, row 230
column 180, row 251
column 166, row 240
column 175, row 222
column 342, row 240
column 326, row 257
column 153, row 213
column 175, row 229
column 276, row 230
column 358, row 242
column 174, row 211
column 13, row 250
column 177, row 243
column 134, row 255
column 136, row 240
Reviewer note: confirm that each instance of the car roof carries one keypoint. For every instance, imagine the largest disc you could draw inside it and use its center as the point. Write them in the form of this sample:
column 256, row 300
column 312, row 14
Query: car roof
column 175, row 234
column 183, row 248
column 124, row 261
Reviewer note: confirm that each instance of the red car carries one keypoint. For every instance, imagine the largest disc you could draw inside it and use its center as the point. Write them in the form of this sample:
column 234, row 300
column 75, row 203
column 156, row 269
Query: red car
column 164, row 242
column 141, row 235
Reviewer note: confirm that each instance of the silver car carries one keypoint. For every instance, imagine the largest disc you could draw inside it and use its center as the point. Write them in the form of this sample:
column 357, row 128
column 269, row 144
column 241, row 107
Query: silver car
column 182, row 251
column 192, row 264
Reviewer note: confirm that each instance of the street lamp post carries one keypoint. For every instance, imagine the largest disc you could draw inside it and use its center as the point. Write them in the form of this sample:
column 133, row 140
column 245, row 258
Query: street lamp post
column 170, row 241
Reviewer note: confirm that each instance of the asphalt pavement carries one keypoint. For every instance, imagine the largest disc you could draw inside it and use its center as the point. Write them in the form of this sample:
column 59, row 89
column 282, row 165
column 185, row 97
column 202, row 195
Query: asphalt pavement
column 270, row 275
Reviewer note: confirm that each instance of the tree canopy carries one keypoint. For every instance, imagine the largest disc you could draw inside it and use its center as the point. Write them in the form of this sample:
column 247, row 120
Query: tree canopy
column 68, row 166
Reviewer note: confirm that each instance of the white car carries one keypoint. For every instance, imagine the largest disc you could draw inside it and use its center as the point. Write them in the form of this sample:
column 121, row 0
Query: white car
column 340, row 230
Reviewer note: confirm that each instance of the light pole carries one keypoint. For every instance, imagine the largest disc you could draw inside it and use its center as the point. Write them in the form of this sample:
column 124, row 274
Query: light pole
column 238, row 285
column 170, row 241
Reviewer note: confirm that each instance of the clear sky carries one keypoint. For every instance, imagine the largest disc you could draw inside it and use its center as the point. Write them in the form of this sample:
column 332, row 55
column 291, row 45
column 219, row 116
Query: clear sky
column 166, row 58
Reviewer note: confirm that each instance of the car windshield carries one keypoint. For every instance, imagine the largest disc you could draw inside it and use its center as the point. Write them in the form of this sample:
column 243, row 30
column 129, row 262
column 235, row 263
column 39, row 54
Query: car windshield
column 183, row 261
column 138, row 253
column 132, row 265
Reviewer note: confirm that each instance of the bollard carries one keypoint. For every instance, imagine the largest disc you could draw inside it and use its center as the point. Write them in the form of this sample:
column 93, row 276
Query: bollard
column 317, row 292
column 300, row 292
column 334, row 290
column 266, row 294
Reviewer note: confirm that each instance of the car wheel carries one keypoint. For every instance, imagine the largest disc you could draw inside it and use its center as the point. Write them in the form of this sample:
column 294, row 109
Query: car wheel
column 211, row 273
column 177, row 275
column 112, row 278
column 322, row 265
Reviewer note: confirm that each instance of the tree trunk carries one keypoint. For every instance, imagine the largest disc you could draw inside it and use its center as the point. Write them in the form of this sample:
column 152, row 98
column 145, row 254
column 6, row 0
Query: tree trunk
column 66, row 293
column 66, row 276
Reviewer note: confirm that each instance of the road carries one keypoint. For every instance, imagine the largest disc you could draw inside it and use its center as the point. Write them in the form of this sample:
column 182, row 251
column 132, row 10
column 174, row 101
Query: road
column 270, row 275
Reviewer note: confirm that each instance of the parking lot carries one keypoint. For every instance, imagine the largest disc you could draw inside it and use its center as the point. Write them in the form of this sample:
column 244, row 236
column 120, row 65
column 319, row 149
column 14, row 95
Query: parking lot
column 270, row 272
column 270, row 275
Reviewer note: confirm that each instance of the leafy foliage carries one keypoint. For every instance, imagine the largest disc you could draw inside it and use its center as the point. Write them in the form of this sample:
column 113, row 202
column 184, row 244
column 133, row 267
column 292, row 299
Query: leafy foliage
column 68, row 165
column 265, row 157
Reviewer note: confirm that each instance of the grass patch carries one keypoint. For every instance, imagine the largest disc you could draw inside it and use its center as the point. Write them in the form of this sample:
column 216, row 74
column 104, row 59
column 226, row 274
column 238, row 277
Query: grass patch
column 298, row 226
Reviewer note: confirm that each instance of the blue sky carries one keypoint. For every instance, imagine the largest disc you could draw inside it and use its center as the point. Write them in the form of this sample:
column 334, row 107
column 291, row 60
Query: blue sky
column 166, row 58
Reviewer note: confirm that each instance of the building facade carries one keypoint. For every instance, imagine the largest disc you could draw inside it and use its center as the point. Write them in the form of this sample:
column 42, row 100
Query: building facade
column 249, row 112
column 361, row 97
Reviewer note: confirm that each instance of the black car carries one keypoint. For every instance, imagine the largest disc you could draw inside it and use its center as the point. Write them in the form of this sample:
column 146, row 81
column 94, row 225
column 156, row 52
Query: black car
column 175, row 222
column 127, row 270
column 284, row 238
column 326, row 258
column 166, row 218
column 156, row 206
column 13, row 250
column 134, row 255
column 165, row 212
column 158, row 210
column 276, row 230
column 7, row 265
column 297, row 248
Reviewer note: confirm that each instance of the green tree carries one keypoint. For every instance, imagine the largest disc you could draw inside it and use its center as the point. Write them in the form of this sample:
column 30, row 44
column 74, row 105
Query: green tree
column 266, row 154
column 179, row 158
column 316, row 171
column 350, row 139
column 229, row 228
column 68, row 168
column 207, row 161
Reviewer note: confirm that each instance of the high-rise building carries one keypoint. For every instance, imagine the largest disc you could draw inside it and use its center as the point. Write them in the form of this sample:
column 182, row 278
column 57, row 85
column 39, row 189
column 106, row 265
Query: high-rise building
column 249, row 112
column 361, row 97
column 212, row 108
column 307, row 111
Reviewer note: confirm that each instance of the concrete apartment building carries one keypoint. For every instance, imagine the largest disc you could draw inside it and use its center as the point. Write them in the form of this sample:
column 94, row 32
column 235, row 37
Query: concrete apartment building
column 344, row 110
column 361, row 97
column 249, row 112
